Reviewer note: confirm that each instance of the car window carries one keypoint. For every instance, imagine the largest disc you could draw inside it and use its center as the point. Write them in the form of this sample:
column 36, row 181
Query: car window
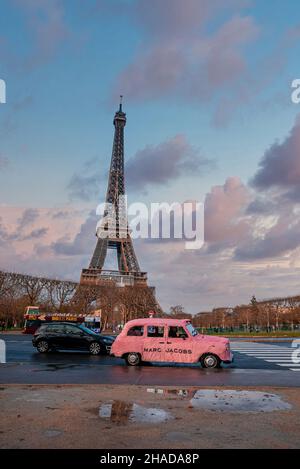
column 87, row 330
column 155, row 331
column 191, row 329
column 72, row 330
column 176, row 332
column 53, row 328
column 136, row 331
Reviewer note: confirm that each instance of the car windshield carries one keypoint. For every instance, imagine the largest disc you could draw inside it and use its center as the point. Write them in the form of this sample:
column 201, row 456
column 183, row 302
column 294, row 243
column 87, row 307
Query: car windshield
column 87, row 330
column 191, row 329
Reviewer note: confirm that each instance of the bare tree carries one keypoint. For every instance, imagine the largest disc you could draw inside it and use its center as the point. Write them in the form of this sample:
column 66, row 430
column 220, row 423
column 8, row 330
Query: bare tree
column 60, row 294
column 33, row 287
column 84, row 299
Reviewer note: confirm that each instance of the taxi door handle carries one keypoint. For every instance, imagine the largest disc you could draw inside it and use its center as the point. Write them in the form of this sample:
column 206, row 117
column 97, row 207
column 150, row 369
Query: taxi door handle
column 162, row 342
column 169, row 342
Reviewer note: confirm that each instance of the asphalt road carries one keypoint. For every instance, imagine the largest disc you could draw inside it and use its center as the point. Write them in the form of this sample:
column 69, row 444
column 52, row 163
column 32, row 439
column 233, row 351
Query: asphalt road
column 255, row 363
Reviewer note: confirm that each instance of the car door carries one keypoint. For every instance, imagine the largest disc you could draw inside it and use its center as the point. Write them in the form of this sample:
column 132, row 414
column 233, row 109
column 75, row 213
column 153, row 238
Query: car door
column 132, row 341
column 74, row 338
column 179, row 345
column 154, row 343
column 55, row 335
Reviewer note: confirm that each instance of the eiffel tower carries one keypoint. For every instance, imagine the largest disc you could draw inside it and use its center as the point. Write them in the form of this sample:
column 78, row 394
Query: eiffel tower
column 129, row 272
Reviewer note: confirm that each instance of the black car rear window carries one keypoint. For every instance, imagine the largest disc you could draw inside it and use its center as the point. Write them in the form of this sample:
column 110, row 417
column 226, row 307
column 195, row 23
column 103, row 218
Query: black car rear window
column 54, row 328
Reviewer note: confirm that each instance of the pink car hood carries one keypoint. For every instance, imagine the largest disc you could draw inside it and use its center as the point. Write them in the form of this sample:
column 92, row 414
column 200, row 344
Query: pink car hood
column 218, row 343
column 212, row 339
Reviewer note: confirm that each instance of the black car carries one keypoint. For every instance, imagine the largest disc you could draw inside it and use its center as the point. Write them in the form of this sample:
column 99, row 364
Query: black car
column 67, row 336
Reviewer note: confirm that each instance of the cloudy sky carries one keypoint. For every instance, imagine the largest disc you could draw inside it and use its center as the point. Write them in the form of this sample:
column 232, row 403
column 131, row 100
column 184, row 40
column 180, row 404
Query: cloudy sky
column 207, row 92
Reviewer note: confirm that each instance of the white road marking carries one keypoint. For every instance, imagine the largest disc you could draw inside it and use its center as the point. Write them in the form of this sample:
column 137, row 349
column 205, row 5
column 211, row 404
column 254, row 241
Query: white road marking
column 262, row 355
column 290, row 364
column 267, row 353
column 276, row 360
column 18, row 341
column 279, row 355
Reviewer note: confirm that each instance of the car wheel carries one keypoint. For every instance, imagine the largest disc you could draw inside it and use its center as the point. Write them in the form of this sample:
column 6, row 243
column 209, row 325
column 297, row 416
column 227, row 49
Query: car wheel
column 210, row 361
column 94, row 348
column 42, row 346
column 133, row 359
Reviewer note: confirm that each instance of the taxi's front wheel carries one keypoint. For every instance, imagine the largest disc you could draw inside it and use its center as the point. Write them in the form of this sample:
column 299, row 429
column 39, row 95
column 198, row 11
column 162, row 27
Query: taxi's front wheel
column 133, row 359
column 210, row 360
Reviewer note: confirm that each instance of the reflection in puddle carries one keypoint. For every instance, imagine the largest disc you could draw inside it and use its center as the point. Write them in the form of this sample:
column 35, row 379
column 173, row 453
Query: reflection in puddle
column 174, row 392
column 124, row 412
column 238, row 401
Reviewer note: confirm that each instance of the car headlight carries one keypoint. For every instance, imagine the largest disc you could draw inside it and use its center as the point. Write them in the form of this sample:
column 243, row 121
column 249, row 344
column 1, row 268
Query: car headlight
column 107, row 341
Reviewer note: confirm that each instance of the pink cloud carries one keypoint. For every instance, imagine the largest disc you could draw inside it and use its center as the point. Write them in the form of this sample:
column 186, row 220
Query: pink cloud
column 22, row 228
column 224, row 212
column 165, row 162
column 280, row 165
column 155, row 72
column 46, row 23
column 224, row 61
column 3, row 162
column 179, row 56
column 174, row 17
column 281, row 239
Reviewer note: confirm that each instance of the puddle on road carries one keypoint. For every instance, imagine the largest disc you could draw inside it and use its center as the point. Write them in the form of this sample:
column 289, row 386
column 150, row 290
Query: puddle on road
column 122, row 412
column 238, row 401
column 33, row 397
column 183, row 393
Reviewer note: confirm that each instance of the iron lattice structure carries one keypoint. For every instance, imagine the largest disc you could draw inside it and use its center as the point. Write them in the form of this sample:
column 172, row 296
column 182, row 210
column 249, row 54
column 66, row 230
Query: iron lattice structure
column 129, row 272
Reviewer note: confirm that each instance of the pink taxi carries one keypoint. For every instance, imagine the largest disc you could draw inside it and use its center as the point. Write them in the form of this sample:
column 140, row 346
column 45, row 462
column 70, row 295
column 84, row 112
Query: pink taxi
column 169, row 340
